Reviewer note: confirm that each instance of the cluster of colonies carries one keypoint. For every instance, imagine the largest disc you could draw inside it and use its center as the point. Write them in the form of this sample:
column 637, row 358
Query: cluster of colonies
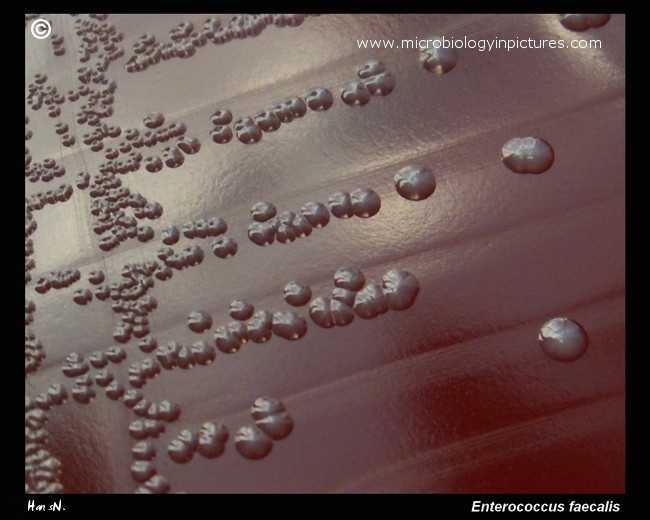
column 98, row 39
column 44, row 171
column 98, row 99
column 398, row 291
column 185, row 39
column 272, row 422
column 268, row 226
column 351, row 296
column 248, row 129
column 561, row 339
column 172, row 156
column 373, row 80
column 38, row 95
column 117, row 210
column 56, row 41
column 42, row 469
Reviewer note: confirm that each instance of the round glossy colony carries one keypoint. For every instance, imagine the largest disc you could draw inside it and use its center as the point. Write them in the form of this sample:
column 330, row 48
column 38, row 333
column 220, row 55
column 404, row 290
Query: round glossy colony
column 296, row 294
column 414, row 182
column 349, row 278
column 260, row 327
column 435, row 58
column 401, row 288
column 365, row 202
column 319, row 99
column 252, row 443
column 380, row 84
column 289, row 325
column 527, row 155
column 563, row 339
column 241, row 310
column 263, row 211
column 199, row 321
column 341, row 204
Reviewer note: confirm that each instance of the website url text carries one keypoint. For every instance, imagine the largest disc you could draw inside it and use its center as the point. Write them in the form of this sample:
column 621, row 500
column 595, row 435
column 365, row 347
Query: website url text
column 482, row 44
